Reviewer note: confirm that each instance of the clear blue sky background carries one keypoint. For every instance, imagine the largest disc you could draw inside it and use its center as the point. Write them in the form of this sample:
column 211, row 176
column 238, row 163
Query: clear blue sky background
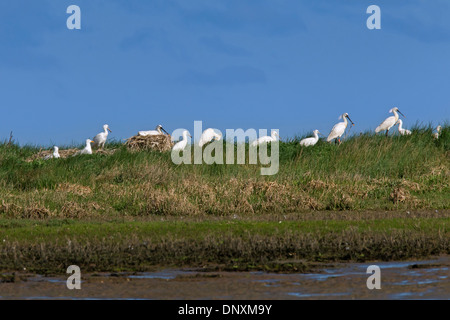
column 287, row 64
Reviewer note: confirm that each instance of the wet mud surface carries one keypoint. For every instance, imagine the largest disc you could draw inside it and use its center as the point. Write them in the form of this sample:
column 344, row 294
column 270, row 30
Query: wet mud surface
column 427, row 279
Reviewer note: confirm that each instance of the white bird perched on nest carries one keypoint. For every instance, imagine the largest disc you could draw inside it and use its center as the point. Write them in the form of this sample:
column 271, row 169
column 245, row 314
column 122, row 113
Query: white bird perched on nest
column 183, row 143
column 339, row 129
column 158, row 130
column 54, row 155
column 438, row 132
column 311, row 141
column 389, row 122
column 266, row 139
column 401, row 130
column 86, row 150
column 100, row 139
column 207, row 136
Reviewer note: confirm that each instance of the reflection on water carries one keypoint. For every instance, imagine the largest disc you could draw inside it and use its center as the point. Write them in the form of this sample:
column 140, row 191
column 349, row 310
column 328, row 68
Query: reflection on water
column 399, row 280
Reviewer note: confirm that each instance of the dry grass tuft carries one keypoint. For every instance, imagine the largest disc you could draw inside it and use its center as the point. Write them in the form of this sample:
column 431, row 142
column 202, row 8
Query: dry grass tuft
column 10, row 209
column 399, row 195
column 36, row 212
column 159, row 143
column 74, row 189
column 73, row 210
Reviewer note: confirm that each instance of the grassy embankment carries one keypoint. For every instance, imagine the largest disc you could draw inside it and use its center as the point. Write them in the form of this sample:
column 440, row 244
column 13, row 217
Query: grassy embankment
column 131, row 211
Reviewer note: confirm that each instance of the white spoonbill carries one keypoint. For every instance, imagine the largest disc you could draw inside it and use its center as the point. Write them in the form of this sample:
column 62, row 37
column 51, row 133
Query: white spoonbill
column 266, row 139
column 339, row 128
column 311, row 141
column 389, row 122
column 100, row 139
column 87, row 149
column 207, row 136
column 54, row 155
column 158, row 130
column 183, row 143
column 401, row 130
column 438, row 132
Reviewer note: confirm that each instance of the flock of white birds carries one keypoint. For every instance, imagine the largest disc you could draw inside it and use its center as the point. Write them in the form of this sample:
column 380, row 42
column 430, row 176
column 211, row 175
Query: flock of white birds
column 210, row 134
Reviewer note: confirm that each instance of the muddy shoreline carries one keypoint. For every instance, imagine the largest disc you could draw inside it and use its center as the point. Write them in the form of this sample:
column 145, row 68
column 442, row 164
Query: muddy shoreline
column 414, row 279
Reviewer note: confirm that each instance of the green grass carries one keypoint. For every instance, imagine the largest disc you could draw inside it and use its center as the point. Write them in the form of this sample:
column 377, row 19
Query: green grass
column 366, row 172
column 135, row 210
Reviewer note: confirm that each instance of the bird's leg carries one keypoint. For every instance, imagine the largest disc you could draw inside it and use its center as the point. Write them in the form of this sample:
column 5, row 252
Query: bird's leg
column 387, row 132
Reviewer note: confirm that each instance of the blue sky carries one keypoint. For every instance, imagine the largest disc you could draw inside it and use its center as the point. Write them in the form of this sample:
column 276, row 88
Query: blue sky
column 288, row 64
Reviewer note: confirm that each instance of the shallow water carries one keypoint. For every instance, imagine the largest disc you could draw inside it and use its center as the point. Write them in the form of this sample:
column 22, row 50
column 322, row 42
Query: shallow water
column 399, row 280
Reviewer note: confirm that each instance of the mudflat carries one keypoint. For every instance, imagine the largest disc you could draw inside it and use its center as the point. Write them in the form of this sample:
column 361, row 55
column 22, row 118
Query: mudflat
column 426, row 279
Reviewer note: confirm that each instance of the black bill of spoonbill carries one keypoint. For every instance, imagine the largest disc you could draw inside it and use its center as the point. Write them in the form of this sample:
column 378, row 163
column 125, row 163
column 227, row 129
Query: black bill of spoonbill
column 207, row 136
column 311, row 141
column 339, row 128
column 100, row 139
column 387, row 124
column 87, row 149
column 402, row 131
column 438, row 132
column 266, row 139
column 183, row 143
column 54, row 155
column 158, row 131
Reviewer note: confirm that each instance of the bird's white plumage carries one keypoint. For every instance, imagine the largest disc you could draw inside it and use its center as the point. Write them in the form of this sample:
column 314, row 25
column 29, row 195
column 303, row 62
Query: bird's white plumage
column 207, row 136
column 266, row 139
column 54, row 155
column 438, row 132
column 389, row 122
column 339, row 128
column 100, row 139
column 158, row 131
column 402, row 131
column 87, row 149
column 183, row 143
column 310, row 141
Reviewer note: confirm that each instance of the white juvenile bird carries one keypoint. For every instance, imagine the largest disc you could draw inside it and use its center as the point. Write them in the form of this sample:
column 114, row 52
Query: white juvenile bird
column 401, row 130
column 207, row 136
column 266, row 139
column 87, row 149
column 389, row 122
column 158, row 130
column 183, row 143
column 311, row 141
column 339, row 128
column 438, row 132
column 100, row 139
column 54, row 155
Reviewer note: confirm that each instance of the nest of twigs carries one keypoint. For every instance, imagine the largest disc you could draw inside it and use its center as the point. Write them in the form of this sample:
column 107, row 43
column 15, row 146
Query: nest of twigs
column 161, row 143
column 65, row 153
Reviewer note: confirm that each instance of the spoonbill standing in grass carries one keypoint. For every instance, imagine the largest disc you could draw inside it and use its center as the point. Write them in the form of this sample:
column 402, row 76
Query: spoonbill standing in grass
column 339, row 129
column 86, row 150
column 389, row 122
column 158, row 130
column 266, row 139
column 438, row 132
column 54, row 155
column 183, row 143
column 207, row 136
column 401, row 130
column 311, row 141
column 100, row 139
